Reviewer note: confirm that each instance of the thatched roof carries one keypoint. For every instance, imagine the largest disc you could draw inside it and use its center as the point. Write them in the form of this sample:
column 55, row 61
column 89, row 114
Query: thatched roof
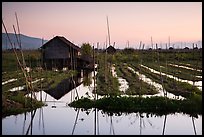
column 63, row 39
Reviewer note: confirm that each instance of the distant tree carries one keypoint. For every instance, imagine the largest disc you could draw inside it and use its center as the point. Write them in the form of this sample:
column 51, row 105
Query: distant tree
column 128, row 50
column 86, row 49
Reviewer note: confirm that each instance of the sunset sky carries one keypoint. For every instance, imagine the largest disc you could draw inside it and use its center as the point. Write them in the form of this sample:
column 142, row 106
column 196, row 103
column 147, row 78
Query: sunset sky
column 82, row 22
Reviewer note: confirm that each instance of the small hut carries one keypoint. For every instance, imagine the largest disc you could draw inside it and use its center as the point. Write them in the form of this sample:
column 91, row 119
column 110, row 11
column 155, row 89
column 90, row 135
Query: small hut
column 171, row 48
column 111, row 50
column 59, row 53
column 186, row 48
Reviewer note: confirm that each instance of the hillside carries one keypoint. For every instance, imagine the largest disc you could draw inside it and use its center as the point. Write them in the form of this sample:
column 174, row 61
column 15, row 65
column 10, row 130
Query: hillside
column 27, row 42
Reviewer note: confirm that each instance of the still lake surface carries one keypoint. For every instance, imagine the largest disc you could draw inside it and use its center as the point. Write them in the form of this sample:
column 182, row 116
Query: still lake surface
column 57, row 118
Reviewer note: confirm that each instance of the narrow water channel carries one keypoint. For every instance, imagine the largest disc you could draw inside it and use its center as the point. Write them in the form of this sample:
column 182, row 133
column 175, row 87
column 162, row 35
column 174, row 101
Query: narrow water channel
column 180, row 66
column 123, row 83
column 198, row 84
column 158, row 86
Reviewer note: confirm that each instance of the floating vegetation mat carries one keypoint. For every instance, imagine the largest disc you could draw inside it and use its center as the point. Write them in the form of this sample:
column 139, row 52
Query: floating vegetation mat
column 157, row 105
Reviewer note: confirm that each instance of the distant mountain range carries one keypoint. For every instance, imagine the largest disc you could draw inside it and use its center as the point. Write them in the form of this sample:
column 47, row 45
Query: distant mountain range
column 27, row 42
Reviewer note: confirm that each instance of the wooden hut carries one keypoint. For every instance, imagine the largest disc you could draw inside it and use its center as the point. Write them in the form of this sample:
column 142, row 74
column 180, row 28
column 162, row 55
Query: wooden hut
column 186, row 48
column 59, row 53
column 111, row 50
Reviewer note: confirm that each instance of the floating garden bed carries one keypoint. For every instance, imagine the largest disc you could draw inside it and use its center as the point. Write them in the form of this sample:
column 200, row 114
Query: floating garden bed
column 156, row 105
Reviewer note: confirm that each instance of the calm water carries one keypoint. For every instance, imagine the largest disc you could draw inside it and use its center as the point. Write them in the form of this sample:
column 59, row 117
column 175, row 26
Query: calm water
column 59, row 119
column 64, row 120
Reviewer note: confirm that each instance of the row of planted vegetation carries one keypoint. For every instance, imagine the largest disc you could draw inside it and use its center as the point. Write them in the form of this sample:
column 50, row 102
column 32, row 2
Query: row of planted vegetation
column 115, row 102
column 14, row 100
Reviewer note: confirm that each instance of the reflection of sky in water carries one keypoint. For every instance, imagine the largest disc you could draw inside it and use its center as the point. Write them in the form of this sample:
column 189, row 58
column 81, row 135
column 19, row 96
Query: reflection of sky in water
column 61, row 120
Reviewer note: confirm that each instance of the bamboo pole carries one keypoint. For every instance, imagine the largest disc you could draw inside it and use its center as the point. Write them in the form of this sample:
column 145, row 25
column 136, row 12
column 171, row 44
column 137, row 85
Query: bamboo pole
column 95, row 88
column 97, row 67
column 106, row 63
column 41, row 75
column 19, row 43
column 29, row 86
column 20, row 40
column 94, row 74
column 140, row 44
column 194, row 59
column 152, row 42
column 166, row 69
column 72, row 50
column 140, row 79
column 108, row 31
column 160, row 69
column 12, row 46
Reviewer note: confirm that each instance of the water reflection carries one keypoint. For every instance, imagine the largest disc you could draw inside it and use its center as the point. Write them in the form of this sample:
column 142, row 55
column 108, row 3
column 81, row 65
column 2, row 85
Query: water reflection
column 164, row 124
column 69, row 84
column 28, row 122
column 70, row 121
column 75, row 121
column 64, row 87
column 63, row 120
column 193, row 125
column 30, row 127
